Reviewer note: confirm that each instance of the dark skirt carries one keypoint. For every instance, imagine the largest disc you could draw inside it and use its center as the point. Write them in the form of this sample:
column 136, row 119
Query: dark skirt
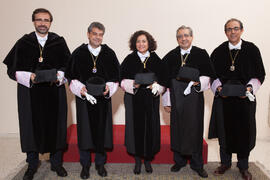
column 43, row 117
column 187, row 114
column 233, row 122
column 94, row 125
column 142, row 133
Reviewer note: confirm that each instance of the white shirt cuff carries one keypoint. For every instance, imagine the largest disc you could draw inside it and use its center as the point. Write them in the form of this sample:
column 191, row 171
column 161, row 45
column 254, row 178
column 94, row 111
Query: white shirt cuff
column 256, row 84
column 113, row 86
column 166, row 101
column 127, row 85
column 205, row 83
column 161, row 89
column 76, row 87
column 216, row 83
column 23, row 78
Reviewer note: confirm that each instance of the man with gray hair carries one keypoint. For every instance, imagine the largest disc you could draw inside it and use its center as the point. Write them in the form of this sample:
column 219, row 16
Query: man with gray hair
column 190, row 70
column 238, row 64
column 93, row 73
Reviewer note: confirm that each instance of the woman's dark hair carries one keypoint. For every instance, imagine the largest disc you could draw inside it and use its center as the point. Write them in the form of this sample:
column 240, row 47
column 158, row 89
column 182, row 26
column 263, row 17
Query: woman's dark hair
column 152, row 44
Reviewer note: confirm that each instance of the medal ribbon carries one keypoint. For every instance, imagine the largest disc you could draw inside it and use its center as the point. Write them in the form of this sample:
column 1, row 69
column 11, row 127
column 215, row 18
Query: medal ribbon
column 144, row 63
column 233, row 59
column 40, row 52
column 183, row 60
column 94, row 61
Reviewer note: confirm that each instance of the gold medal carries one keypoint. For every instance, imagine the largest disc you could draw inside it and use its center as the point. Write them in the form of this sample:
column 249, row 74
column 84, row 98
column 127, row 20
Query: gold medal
column 40, row 59
column 232, row 68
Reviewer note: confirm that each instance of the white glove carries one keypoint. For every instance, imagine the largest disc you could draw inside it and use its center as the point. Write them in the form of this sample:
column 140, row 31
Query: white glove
column 61, row 78
column 90, row 98
column 250, row 96
column 188, row 89
column 155, row 88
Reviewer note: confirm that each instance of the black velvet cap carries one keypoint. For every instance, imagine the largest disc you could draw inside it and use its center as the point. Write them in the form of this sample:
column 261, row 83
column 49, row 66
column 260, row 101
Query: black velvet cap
column 95, row 86
column 188, row 74
column 233, row 90
column 145, row 78
column 46, row 75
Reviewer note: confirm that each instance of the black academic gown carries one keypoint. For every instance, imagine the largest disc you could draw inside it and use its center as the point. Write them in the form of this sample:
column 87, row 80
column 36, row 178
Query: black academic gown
column 94, row 122
column 43, row 107
column 232, row 118
column 187, row 112
column 142, row 133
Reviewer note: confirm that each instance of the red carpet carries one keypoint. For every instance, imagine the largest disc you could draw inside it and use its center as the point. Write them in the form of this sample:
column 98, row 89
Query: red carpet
column 119, row 154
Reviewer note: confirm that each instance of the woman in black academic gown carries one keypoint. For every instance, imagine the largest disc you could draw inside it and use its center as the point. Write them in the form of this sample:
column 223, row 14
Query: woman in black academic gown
column 142, row 133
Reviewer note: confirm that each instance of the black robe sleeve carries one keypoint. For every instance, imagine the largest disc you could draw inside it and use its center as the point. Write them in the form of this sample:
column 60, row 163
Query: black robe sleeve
column 112, row 68
column 258, row 71
column 10, row 61
column 72, row 71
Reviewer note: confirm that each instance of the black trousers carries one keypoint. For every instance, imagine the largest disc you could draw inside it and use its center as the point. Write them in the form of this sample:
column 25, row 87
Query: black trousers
column 85, row 158
column 226, row 159
column 33, row 160
column 196, row 160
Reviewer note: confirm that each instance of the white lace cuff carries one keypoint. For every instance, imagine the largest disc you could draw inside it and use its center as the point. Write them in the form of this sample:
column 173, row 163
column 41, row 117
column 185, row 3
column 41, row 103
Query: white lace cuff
column 76, row 87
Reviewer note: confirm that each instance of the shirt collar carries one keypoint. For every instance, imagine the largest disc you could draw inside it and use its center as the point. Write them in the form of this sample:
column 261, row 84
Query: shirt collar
column 143, row 56
column 94, row 51
column 237, row 46
column 41, row 40
column 187, row 51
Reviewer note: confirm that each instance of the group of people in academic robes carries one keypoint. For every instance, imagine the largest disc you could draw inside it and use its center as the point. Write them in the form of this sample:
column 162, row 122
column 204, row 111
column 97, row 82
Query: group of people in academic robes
column 41, row 64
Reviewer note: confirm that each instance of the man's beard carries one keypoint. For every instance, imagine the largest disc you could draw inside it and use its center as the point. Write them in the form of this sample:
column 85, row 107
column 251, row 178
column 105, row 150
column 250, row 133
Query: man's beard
column 42, row 29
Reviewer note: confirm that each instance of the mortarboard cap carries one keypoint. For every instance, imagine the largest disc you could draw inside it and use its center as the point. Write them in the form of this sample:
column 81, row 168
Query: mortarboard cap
column 233, row 90
column 46, row 75
column 95, row 86
column 145, row 78
column 188, row 74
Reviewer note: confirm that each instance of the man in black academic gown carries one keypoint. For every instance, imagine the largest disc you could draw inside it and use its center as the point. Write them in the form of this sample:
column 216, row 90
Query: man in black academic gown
column 37, row 62
column 237, row 63
column 190, row 70
column 94, row 65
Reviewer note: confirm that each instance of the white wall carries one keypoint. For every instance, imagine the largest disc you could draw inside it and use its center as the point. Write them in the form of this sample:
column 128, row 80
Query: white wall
column 121, row 18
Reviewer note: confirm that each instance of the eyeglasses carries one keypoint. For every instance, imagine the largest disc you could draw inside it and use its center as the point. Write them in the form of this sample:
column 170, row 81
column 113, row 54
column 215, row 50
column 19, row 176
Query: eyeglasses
column 43, row 20
column 182, row 36
column 231, row 29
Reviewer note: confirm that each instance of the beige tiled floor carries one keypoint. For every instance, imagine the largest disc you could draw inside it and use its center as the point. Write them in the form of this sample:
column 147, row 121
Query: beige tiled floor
column 11, row 157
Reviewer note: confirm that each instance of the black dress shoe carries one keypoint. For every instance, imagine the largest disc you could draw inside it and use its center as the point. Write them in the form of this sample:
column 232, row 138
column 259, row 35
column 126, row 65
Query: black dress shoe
column 29, row 174
column 148, row 167
column 246, row 174
column 60, row 171
column 201, row 172
column 138, row 165
column 85, row 172
column 101, row 170
column 221, row 170
column 176, row 168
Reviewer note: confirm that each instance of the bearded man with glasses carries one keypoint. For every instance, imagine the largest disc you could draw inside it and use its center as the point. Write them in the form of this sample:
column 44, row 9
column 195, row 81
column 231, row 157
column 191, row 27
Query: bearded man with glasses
column 37, row 63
